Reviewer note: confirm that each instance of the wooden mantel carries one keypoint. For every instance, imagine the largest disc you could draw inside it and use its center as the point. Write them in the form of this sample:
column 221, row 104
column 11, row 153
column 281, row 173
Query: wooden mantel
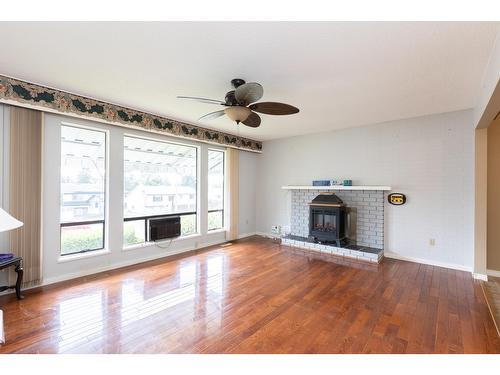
column 336, row 187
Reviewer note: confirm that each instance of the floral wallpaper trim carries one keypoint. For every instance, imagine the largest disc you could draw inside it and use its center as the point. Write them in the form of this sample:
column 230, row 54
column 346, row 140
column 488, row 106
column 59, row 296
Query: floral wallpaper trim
column 56, row 100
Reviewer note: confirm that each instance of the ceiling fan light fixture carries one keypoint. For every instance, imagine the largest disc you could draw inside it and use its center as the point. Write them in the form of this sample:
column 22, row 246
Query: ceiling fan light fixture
column 241, row 104
column 238, row 113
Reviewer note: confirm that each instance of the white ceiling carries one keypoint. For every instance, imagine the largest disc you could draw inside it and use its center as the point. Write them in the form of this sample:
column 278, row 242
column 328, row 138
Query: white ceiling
column 339, row 74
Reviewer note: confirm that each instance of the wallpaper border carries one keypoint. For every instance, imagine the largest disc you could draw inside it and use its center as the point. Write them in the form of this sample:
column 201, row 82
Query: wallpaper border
column 53, row 100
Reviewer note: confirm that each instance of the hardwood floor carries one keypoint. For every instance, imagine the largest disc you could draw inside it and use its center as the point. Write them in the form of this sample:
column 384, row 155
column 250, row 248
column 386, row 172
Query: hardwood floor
column 491, row 290
column 255, row 297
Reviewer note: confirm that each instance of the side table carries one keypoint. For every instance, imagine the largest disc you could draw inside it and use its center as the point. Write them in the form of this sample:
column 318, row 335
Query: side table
column 16, row 262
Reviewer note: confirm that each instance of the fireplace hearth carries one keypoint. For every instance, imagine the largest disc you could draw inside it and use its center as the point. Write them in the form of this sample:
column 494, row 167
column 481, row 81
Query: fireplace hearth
column 327, row 219
column 357, row 223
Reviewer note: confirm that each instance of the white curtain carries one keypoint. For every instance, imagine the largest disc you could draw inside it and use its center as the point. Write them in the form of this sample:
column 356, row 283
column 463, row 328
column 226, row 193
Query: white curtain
column 232, row 172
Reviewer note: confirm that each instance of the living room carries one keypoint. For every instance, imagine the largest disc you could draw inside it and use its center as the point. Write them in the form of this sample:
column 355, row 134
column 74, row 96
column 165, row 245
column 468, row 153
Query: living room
column 324, row 187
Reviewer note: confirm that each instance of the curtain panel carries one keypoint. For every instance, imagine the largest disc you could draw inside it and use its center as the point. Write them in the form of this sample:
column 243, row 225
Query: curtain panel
column 233, row 171
column 25, row 178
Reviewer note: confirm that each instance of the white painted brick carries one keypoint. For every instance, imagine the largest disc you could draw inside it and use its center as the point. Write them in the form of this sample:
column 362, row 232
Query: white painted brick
column 368, row 204
column 355, row 253
column 337, row 251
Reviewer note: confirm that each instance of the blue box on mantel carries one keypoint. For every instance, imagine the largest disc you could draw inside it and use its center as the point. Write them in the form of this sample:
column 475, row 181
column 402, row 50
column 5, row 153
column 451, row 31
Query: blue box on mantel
column 321, row 183
column 332, row 182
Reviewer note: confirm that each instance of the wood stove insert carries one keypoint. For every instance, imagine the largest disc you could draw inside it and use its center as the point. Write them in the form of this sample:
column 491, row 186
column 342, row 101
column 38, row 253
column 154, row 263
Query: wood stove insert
column 327, row 219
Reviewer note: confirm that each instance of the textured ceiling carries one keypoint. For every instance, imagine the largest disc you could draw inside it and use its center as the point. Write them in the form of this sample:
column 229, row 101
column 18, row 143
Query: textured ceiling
column 339, row 74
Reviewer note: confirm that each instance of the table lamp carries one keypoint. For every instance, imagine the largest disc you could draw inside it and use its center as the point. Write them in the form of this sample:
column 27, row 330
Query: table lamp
column 8, row 222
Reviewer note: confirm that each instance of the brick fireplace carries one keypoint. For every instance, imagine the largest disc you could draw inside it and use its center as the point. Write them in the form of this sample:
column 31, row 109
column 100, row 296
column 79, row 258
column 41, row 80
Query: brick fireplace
column 364, row 221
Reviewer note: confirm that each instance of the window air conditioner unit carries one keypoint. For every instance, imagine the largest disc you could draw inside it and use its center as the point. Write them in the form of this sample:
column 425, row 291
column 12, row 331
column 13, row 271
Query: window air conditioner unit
column 164, row 228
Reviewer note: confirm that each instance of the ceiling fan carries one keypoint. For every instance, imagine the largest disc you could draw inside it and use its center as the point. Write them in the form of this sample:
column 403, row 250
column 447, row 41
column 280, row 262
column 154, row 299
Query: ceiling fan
column 239, row 107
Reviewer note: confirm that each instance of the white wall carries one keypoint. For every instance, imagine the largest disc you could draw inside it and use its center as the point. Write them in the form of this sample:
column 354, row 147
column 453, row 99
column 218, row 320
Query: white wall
column 247, row 203
column 56, row 268
column 430, row 159
column 489, row 83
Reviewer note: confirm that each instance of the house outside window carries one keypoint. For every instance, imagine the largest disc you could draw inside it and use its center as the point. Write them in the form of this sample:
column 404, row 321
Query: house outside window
column 83, row 190
column 160, row 179
column 215, row 189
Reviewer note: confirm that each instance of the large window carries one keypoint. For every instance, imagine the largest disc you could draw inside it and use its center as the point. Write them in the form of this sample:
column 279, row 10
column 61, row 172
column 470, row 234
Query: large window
column 83, row 189
column 215, row 189
column 160, row 179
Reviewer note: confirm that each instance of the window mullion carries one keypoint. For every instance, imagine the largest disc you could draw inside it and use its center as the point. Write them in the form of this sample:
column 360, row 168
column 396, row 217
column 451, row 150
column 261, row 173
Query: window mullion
column 203, row 187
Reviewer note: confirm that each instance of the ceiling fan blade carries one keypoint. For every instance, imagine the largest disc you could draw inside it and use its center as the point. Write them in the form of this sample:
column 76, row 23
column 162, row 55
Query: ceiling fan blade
column 253, row 120
column 274, row 108
column 203, row 100
column 212, row 115
column 248, row 93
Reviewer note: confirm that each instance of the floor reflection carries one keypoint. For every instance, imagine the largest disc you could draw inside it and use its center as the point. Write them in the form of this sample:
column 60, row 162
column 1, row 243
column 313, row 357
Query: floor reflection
column 215, row 275
column 213, row 301
column 196, row 292
column 81, row 320
column 136, row 306
column 187, row 273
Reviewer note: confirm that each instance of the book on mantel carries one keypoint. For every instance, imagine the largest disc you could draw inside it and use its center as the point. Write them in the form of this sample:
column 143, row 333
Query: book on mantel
column 6, row 256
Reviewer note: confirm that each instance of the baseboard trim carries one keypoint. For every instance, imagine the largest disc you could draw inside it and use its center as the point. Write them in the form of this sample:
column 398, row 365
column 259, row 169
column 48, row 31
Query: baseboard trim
column 480, row 276
column 267, row 235
column 389, row 254
column 245, row 235
column 132, row 262
column 493, row 273
column 452, row 266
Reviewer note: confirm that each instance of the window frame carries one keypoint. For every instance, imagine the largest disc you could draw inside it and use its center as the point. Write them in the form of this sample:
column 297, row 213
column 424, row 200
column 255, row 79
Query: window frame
column 103, row 221
column 146, row 218
column 222, row 210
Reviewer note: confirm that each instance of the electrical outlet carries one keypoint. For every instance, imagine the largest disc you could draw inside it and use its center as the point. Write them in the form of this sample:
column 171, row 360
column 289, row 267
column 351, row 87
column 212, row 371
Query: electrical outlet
column 432, row 242
column 275, row 229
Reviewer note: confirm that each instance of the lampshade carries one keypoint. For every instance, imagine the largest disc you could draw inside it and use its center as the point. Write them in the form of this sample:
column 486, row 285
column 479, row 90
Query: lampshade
column 8, row 222
column 238, row 113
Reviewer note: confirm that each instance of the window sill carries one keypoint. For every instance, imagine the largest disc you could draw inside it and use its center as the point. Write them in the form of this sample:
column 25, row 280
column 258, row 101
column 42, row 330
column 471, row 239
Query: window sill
column 153, row 244
column 90, row 254
column 215, row 231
